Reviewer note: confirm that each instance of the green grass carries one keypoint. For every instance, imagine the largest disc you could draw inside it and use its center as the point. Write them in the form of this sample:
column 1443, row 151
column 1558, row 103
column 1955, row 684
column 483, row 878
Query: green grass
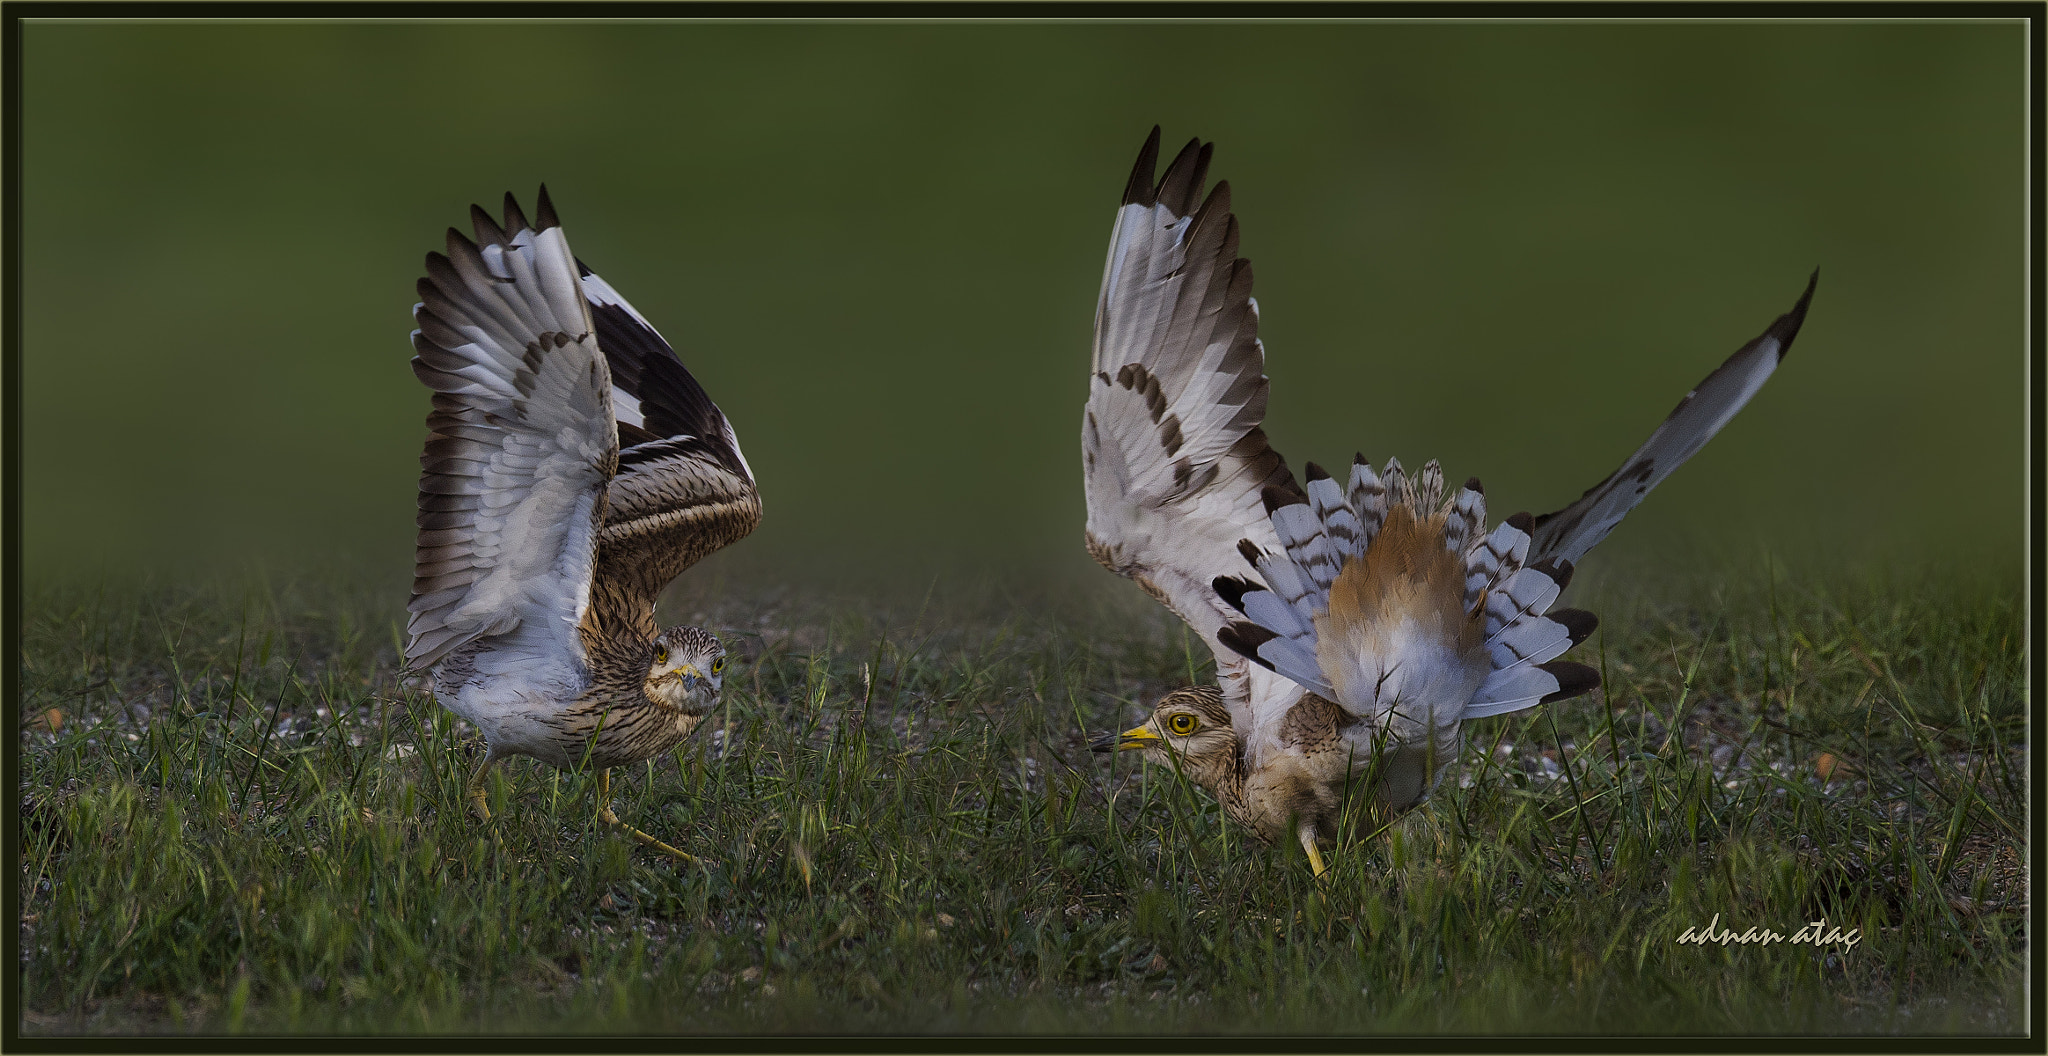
column 244, row 823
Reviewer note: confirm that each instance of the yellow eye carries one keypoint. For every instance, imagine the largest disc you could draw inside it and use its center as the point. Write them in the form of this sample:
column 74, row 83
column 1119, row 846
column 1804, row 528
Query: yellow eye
column 1182, row 724
column 661, row 654
column 718, row 665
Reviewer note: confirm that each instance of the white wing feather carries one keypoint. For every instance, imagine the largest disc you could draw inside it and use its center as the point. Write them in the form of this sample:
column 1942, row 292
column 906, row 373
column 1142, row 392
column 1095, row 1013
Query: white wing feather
column 1174, row 461
column 522, row 447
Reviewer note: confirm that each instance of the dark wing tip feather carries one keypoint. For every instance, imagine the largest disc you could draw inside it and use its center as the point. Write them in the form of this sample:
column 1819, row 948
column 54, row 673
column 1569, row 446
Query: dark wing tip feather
column 1315, row 472
column 1359, row 459
column 1232, row 589
column 1275, row 497
column 1250, row 551
column 1472, row 484
column 1139, row 190
column 487, row 229
column 1787, row 326
column 545, row 211
column 1183, row 180
column 1522, row 521
column 1578, row 623
column 515, row 220
column 1573, row 679
column 1244, row 639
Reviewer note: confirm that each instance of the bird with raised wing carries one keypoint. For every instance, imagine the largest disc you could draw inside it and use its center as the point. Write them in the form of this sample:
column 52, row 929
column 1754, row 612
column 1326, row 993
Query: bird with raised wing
column 573, row 467
column 1357, row 625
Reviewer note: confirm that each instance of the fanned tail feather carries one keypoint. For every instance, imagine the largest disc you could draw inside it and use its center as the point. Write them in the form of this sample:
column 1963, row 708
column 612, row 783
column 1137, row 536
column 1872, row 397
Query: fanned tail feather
column 1324, row 529
column 1467, row 518
column 1526, row 687
column 1494, row 558
column 1368, row 498
column 1341, row 524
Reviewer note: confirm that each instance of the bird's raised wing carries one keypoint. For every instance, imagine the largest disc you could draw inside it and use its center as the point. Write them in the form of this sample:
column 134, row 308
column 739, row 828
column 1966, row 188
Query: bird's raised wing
column 683, row 488
column 512, row 482
column 1568, row 533
column 1174, row 461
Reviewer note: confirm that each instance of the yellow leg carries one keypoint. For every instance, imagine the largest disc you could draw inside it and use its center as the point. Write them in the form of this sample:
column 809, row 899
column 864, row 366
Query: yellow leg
column 476, row 787
column 604, row 814
column 1307, row 833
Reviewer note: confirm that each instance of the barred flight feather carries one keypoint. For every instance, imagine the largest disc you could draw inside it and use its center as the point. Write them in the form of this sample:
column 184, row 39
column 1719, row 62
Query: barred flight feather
column 1173, row 458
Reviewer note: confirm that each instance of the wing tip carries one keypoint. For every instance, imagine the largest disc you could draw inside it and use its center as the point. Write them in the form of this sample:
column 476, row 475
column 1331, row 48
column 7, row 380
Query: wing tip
column 1139, row 189
column 486, row 226
column 544, row 211
column 1275, row 497
column 1179, row 188
column 1787, row 326
column 1232, row 590
column 1244, row 639
column 515, row 218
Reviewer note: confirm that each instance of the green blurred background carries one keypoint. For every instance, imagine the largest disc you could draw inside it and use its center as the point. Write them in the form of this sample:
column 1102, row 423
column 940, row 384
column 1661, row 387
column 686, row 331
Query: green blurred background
column 1509, row 246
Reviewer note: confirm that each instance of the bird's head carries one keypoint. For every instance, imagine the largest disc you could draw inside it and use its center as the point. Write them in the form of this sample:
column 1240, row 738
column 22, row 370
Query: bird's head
column 1188, row 726
column 686, row 670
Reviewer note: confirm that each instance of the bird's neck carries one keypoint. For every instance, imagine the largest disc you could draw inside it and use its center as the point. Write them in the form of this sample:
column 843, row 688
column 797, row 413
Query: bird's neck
column 1229, row 790
column 618, row 670
column 616, row 621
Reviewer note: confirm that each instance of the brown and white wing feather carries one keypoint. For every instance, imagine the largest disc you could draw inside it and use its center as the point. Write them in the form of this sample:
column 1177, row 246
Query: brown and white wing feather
column 1568, row 533
column 683, row 488
column 671, row 505
column 521, row 446
column 1173, row 457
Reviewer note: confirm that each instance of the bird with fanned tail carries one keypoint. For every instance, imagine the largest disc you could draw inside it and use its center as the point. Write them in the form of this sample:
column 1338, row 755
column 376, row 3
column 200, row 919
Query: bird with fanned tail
column 1356, row 625
column 573, row 467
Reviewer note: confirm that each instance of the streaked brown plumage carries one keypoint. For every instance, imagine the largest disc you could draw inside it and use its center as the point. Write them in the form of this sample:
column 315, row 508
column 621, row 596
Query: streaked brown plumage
column 574, row 469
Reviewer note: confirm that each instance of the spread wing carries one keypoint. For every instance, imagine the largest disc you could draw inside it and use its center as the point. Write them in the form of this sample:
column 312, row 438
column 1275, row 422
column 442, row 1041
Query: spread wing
column 1568, row 533
column 1174, row 460
column 683, row 488
column 521, row 445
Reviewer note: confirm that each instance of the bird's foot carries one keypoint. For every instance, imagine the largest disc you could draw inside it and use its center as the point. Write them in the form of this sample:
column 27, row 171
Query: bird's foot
column 478, row 803
column 605, row 815
column 475, row 789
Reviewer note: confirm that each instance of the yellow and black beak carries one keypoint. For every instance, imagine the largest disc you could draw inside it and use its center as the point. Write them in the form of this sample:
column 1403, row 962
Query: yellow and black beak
column 1132, row 739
